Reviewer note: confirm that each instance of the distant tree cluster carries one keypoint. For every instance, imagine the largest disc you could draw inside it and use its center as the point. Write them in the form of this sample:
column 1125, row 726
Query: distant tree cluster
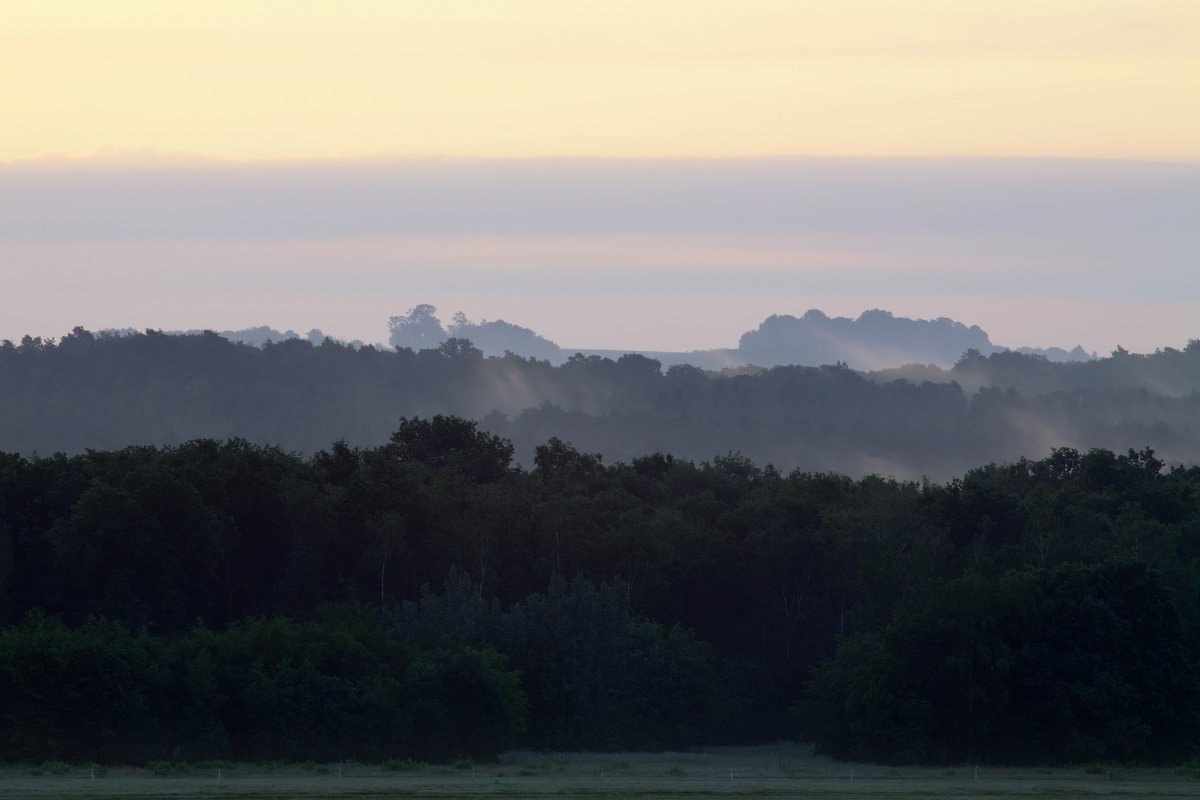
column 109, row 390
column 420, row 329
column 425, row 598
column 1166, row 372
column 876, row 338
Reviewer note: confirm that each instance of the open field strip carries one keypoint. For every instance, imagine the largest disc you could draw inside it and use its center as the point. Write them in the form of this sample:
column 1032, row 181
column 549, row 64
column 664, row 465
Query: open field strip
column 781, row 771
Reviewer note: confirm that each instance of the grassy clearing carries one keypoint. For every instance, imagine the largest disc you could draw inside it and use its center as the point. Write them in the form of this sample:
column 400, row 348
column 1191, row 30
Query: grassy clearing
column 781, row 771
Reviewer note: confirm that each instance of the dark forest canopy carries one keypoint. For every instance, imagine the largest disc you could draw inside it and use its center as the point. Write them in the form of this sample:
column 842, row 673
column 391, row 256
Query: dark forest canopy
column 425, row 598
column 106, row 391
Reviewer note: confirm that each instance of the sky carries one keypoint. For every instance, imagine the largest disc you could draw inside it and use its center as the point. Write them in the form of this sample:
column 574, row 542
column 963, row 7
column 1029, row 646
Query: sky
column 652, row 175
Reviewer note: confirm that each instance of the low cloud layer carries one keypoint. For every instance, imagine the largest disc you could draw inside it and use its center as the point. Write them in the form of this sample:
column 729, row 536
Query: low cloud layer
column 668, row 255
column 1009, row 197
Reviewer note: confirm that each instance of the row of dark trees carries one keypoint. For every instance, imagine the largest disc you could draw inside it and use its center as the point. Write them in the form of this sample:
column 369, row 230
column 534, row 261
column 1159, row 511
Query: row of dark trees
column 335, row 687
column 427, row 598
column 107, row 391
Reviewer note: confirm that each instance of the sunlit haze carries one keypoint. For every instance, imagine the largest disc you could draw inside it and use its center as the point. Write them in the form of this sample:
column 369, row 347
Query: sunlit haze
column 266, row 80
column 612, row 175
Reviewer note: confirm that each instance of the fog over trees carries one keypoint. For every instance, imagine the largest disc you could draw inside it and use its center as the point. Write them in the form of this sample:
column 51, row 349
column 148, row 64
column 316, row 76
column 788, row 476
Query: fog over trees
column 317, row 550
column 111, row 389
column 420, row 329
column 875, row 340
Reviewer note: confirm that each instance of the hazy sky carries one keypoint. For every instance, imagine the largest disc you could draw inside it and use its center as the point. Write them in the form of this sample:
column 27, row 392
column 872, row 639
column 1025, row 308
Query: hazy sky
column 651, row 175
column 303, row 79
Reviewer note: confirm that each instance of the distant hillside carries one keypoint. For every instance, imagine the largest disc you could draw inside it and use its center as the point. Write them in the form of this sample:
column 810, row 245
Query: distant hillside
column 420, row 329
column 1166, row 372
column 875, row 340
column 110, row 390
column 257, row 336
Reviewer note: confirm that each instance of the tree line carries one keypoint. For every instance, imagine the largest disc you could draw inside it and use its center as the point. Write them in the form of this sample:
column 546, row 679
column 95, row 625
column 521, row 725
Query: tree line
column 105, row 391
column 428, row 598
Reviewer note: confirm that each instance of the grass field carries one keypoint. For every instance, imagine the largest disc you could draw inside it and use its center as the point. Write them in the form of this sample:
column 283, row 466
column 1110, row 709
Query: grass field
column 724, row 772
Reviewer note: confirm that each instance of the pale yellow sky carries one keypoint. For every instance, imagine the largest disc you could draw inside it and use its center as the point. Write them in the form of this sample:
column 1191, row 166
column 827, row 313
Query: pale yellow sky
column 280, row 80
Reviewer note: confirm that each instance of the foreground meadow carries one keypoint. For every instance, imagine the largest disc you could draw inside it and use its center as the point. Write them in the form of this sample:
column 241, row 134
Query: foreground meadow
column 783, row 770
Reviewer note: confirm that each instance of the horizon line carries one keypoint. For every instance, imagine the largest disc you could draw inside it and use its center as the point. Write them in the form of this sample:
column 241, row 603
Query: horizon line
column 148, row 157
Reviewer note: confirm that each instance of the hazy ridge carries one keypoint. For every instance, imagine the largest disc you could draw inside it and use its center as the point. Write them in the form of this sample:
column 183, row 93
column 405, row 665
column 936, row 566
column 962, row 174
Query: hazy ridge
column 111, row 390
column 875, row 340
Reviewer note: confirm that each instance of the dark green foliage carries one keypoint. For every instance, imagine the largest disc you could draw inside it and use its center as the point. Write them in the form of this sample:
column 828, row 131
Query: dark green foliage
column 73, row 694
column 261, row 689
column 454, row 444
column 597, row 675
column 148, row 539
column 463, row 702
column 224, row 599
column 1074, row 664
